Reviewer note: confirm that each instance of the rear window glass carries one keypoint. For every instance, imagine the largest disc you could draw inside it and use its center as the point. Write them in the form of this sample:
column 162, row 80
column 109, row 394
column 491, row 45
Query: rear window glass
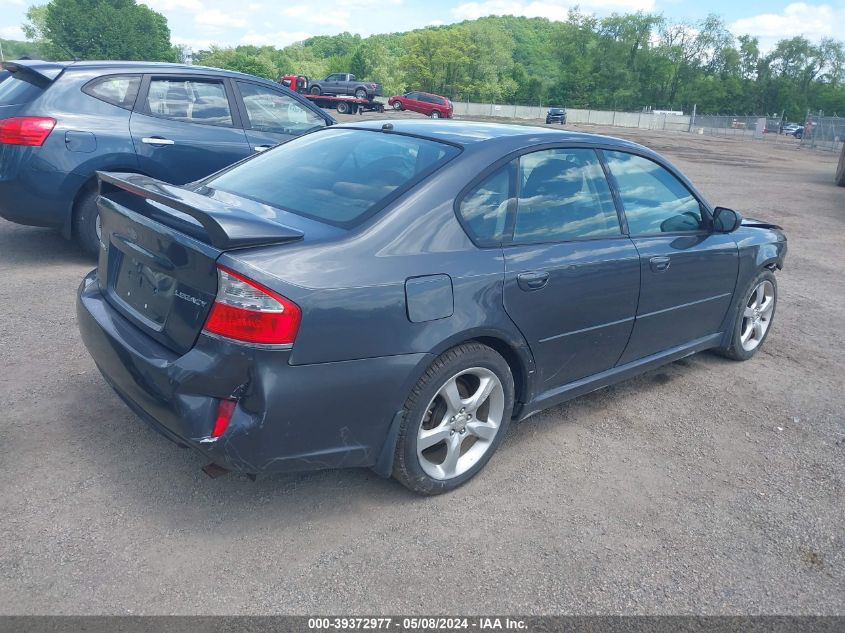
column 19, row 89
column 339, row 177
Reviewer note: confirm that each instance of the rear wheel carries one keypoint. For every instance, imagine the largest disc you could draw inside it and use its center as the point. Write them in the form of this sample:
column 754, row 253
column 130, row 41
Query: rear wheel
column 454, row 419
column 361, row 93
column 840, row 171
column 435, row 114
column 754, row 317
column 342, row 107
column 86, row 223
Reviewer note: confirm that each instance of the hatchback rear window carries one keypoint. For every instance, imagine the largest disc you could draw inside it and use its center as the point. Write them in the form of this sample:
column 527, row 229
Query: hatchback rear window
column 340, row 177
column 20, row 88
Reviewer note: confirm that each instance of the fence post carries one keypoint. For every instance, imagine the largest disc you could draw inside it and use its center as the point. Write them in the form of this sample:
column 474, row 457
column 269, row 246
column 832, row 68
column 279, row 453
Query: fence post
column 692, row 119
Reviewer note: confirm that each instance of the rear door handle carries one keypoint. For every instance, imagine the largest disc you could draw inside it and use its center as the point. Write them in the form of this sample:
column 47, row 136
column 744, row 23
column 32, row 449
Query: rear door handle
column 157, row 140
column 659, row 264
column 533, row 280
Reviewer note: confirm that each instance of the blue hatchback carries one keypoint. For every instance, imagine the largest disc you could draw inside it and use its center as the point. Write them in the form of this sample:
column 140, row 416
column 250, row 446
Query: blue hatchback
column 60, row 122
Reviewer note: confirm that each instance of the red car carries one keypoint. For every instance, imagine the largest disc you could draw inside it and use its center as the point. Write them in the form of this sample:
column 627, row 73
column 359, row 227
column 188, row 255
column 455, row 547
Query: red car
column 425, row 103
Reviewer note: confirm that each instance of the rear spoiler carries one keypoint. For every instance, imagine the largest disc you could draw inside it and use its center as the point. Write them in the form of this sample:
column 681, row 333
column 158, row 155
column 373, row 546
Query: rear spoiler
column 226, row 227
column 46, row 70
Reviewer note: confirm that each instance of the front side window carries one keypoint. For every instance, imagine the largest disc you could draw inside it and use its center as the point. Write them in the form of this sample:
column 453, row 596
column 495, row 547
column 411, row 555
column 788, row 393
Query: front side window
column 119, row 90
column 190, row 100
column 484, row 208
column 336, row 176
column 271, row 111
column 655, row 201
column 563, row 195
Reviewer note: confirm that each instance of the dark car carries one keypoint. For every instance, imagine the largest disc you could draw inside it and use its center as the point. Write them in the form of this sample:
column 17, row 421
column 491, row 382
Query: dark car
column 61, row 122
column 344, row 84
column 393, row 294
column 556, row 115
column 431, row 105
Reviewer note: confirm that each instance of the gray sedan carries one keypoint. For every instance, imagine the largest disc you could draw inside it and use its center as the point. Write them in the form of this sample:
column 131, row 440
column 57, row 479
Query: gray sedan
column 393, row 295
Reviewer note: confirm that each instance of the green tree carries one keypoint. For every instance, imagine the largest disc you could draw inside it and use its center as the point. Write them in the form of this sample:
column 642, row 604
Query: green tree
column 100, row 29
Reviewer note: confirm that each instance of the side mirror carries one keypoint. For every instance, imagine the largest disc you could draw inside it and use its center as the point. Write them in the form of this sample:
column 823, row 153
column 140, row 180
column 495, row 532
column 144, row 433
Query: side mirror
column 726, row 220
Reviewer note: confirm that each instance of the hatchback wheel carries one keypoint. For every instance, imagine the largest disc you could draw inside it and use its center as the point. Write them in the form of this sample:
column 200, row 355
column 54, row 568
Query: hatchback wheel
column 754, row 317
column 86, row 223
column 454, row 419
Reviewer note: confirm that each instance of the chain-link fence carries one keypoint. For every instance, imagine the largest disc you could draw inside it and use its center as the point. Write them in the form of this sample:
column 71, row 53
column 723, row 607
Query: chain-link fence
column 824, row 132
column 816, row 131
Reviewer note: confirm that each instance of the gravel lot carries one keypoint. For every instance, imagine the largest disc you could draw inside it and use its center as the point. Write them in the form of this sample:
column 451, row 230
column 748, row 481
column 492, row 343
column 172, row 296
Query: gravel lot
column 705, row 487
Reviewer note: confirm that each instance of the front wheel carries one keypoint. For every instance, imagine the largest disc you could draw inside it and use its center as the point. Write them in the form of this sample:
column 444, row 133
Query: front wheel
column 315, row 90
column 755, row 314
column 454, row 419
column 435, row 114
column 342, row 107
column 397, row 106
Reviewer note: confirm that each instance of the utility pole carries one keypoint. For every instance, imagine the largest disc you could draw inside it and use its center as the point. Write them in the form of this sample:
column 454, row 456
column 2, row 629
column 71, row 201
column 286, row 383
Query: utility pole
column 2, row 57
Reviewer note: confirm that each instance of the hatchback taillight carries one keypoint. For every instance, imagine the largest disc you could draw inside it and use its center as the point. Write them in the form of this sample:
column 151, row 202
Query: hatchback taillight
column 248, row 312
column 26, row 130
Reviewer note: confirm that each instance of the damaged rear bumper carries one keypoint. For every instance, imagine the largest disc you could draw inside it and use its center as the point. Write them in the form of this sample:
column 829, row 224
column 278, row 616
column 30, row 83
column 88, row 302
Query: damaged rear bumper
column 288, row 417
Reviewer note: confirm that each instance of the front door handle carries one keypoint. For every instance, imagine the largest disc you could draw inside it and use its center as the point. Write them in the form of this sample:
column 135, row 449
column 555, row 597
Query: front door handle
column 659, row 264
column 157, row 140
column 533, row 280
column 263, row 148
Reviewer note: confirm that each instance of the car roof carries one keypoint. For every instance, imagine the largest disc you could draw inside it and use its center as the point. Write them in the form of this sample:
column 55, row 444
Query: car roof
column 472, row 133
column 53, row 69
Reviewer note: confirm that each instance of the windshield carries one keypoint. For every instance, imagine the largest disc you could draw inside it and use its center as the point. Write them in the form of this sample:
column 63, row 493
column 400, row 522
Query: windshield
column 337, row 176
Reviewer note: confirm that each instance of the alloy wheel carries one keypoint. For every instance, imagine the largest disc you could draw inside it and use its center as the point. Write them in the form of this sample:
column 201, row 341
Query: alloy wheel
column 757, row 315
column 460, row 423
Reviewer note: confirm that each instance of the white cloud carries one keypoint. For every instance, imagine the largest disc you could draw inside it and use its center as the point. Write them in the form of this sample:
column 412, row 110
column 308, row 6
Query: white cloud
column 435, row 23
column 551, row 9
column 12, row 33
column 174, row 5
column 279, row 40
column 195, row 44
column 216, row 17
column 315, row 15
column 798, row 18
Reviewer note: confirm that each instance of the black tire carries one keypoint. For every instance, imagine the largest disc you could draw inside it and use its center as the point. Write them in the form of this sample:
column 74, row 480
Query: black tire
column 735, row 350
column 435, row 114
column 85, row 221
column 406, row 464
column 342, row 107
column 360, row 93
column 840, row 170
column 799, row 134
column 315, row 90
column 397, row 106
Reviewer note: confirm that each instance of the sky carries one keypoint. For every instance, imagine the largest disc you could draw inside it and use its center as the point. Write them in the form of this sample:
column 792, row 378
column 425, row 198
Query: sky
column 200, row 23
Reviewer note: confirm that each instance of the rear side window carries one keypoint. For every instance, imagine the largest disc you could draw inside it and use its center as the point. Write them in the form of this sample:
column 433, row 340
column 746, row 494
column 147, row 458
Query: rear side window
column 119, row 90
column 21, row 88
column 339, row 177
column 484, row 208
column 564, row 195
column 190, row 100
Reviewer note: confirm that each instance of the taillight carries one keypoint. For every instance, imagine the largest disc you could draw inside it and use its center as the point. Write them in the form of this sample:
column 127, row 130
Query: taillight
column 26, row 130
column 248, row 312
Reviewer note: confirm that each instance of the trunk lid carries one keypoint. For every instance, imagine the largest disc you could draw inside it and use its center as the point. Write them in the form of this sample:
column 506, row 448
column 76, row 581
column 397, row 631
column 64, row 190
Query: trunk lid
column 159, row 248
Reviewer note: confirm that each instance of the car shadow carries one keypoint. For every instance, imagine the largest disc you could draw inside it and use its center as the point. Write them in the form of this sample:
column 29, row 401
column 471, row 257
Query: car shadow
column 22, row 245
column 148, row 473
